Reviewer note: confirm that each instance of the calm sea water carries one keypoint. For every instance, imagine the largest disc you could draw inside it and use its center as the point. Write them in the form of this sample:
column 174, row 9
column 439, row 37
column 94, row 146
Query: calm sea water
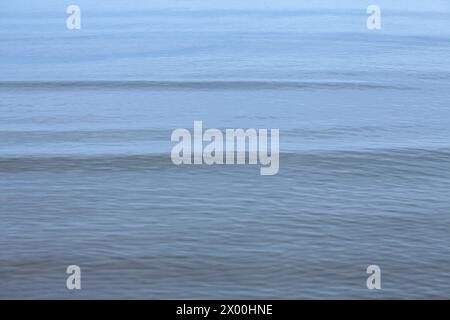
column 86, row 176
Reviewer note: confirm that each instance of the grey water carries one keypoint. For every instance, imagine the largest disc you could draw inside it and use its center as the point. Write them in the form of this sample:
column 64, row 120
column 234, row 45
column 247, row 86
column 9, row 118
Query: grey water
column 85, row 171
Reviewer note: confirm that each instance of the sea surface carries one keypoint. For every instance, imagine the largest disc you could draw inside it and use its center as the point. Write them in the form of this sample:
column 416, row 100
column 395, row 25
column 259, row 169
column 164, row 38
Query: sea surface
column 85, row 171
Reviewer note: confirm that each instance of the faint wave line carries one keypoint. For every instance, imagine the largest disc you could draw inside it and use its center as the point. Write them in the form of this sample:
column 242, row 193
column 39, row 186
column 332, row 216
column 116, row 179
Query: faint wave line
column 200, row 85
column 406, row 158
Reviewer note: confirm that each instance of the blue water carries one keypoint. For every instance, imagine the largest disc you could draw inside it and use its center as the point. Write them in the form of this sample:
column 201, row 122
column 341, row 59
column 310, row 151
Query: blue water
column 86, row 176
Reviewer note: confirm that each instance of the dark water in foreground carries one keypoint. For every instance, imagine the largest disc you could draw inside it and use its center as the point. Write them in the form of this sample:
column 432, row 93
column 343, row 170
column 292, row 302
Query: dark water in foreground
column 141, row 227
